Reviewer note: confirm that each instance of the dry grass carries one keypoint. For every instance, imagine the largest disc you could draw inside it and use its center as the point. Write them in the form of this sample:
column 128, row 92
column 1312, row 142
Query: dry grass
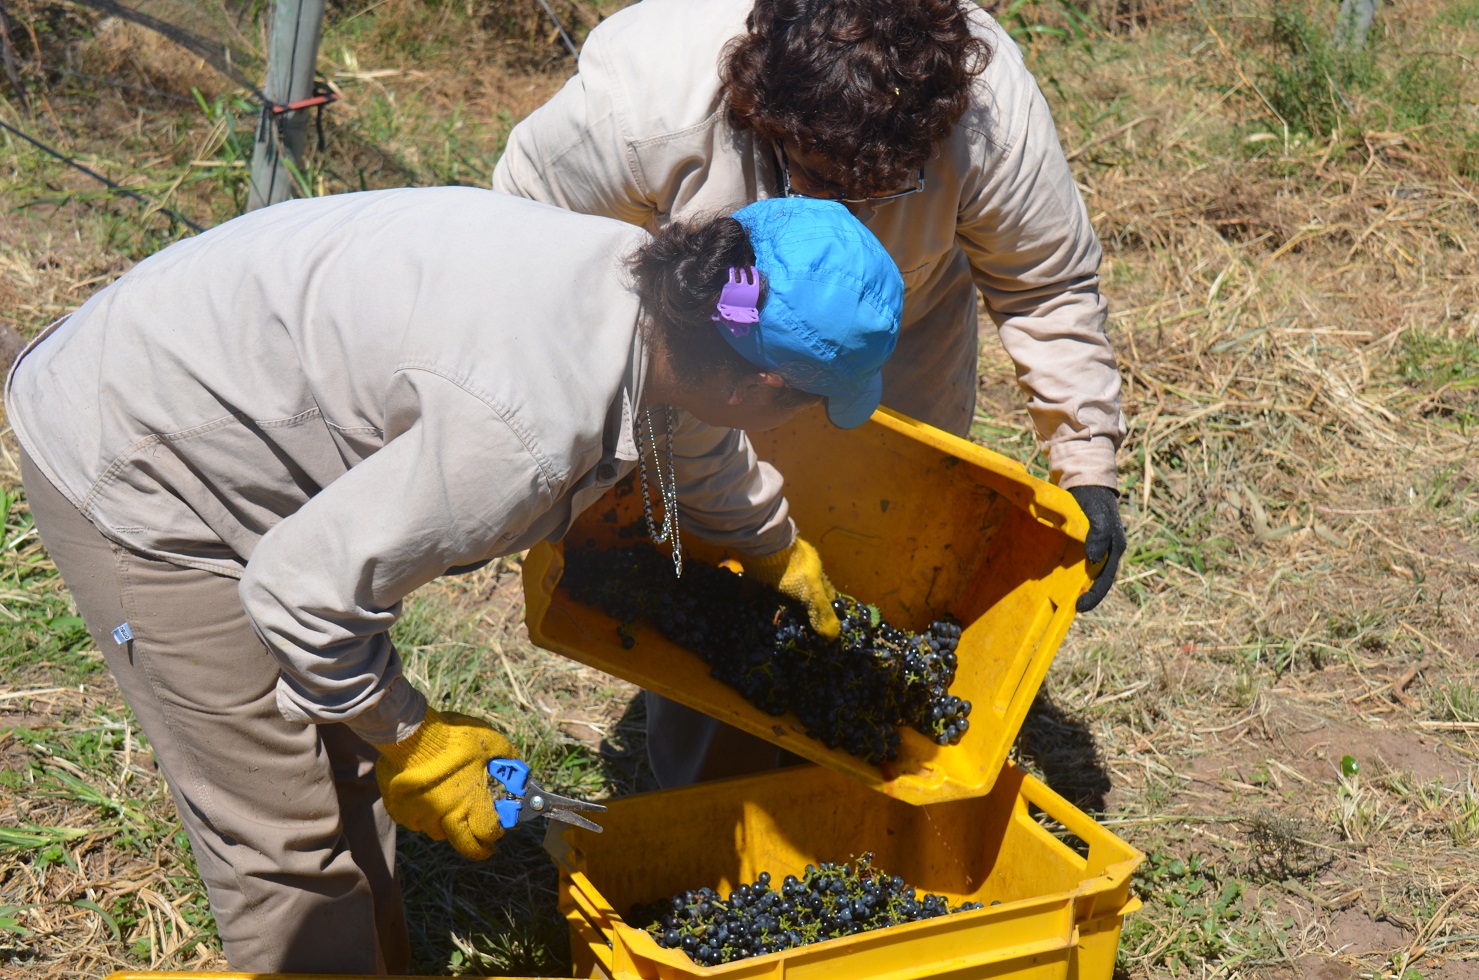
column 1298, row 323
column 1298, row 327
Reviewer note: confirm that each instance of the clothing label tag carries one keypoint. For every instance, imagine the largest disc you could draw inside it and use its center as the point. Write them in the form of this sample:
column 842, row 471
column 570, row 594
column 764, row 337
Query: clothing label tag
column 122, row 634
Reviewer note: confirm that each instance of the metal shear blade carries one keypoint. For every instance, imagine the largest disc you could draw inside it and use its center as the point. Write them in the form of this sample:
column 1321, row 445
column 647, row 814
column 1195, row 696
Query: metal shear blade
column 526, row 799
column 540, row 802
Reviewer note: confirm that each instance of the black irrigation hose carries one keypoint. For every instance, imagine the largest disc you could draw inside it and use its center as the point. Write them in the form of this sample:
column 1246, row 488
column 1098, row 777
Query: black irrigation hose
column 222, row 57
column 559, row 27
column 99, row 177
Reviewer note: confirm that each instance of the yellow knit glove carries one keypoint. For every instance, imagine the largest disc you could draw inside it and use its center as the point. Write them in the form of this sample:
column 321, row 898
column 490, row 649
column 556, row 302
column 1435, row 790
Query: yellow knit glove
column 436, row 781
column 797, row 572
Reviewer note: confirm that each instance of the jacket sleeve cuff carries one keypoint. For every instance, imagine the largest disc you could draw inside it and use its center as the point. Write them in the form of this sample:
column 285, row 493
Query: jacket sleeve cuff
column 392, row 716
column 1083, row 463
column 770, row 542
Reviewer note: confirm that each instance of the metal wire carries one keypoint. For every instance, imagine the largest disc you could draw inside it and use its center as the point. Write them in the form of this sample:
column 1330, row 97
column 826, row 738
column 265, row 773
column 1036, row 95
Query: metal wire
column 100, row 178
column 574, row 53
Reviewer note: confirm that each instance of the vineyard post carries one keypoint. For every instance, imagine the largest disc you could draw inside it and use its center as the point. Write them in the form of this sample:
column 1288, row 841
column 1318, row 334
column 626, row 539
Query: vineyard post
column 292, row 56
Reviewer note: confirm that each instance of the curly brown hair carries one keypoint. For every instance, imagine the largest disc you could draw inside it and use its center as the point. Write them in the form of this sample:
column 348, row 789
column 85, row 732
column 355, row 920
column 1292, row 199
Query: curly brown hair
column 870, row 86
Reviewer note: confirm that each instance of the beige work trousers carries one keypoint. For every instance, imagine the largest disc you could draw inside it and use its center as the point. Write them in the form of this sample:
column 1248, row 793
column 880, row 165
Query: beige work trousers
column 285, row 820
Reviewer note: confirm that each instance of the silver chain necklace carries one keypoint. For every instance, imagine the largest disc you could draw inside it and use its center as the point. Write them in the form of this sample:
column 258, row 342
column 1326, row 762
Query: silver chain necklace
column 667, row 486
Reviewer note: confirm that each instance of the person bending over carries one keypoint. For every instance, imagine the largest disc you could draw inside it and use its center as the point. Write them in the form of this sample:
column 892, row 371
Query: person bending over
column 246, row 452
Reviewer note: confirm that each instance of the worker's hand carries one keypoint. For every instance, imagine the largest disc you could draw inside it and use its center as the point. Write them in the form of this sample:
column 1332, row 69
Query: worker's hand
column 797, row 572
column 436, row 781
column 1105, row 542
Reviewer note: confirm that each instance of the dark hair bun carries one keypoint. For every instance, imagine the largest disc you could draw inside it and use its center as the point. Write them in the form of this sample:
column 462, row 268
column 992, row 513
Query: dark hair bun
column 679, row 275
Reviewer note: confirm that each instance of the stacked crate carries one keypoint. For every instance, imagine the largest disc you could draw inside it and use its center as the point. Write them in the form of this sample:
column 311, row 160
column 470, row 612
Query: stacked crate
column 920, row 524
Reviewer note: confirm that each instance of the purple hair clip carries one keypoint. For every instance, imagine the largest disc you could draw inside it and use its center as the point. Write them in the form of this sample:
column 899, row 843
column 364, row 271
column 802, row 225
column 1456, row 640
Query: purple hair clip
column 739, row 301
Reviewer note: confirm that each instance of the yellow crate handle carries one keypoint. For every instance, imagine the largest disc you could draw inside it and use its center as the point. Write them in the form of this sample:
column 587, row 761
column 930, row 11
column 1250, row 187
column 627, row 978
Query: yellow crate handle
column 1110, row 858
column 592, row 918
column 580, row 892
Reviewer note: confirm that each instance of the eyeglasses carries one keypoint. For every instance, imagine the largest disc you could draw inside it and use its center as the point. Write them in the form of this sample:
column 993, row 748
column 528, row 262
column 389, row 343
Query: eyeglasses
column 788, row 191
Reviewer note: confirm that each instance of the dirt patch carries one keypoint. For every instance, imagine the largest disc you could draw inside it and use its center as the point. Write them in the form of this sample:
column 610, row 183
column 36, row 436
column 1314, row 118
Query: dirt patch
column 1454, row 970
column 1303, row 733
column 1287, row 905
column 1318, row 753
column 1311, row 967
column 1354, row 933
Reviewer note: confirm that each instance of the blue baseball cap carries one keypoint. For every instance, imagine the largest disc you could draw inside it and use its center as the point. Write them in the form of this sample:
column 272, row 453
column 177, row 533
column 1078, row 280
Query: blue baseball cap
column 831, row 317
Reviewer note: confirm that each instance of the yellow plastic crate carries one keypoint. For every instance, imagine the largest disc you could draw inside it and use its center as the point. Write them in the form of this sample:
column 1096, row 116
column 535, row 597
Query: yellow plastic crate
column 207, row 975
column 906, row 517
column 1060, row 913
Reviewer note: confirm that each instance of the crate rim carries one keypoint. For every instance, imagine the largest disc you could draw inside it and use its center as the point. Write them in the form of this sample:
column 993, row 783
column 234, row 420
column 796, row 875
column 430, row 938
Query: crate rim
column 1083, row 901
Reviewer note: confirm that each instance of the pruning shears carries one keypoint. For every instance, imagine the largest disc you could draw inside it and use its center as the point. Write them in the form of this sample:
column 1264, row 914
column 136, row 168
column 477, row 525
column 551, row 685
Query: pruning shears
column 525, row 799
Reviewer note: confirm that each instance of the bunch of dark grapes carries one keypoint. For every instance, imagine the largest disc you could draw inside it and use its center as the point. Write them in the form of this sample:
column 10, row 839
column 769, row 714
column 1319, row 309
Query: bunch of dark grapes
column 828, row 901
column 853, row 693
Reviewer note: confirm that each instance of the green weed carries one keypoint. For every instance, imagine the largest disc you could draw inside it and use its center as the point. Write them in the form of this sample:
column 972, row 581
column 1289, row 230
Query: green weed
column 1361, row 813
column 1354, row 624
column 1027, row 20
column 1189, row 547
column 1388, row 84
column 1459, row 13
column 1158, row 792
column 1310, row 80
column 1463, row 829
column 1445, row 370
column 1432, row 361
column 1196, row 912
column 226, row 164
column 40, row 632
column 1455, row 701
column 10, row 921
column 410, row 141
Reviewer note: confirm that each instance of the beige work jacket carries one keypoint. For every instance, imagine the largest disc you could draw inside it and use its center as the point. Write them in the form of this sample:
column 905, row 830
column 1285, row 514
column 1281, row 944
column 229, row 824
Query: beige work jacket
column 337, row 400
column 639, row 134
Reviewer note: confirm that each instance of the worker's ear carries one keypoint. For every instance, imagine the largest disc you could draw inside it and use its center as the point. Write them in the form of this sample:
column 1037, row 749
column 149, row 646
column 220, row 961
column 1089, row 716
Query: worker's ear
column 761, row 384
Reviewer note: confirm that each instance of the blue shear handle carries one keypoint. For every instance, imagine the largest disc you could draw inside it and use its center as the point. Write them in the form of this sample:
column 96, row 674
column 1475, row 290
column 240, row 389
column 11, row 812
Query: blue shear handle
column 514, row 775
column 508, row 812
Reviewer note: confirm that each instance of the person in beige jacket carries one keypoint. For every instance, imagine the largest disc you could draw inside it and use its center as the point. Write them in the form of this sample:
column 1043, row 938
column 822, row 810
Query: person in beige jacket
column 921, row 116
column 246, row 452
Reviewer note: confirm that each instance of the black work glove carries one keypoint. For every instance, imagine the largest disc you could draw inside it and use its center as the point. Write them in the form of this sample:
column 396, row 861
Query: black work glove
column 1105, row 542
